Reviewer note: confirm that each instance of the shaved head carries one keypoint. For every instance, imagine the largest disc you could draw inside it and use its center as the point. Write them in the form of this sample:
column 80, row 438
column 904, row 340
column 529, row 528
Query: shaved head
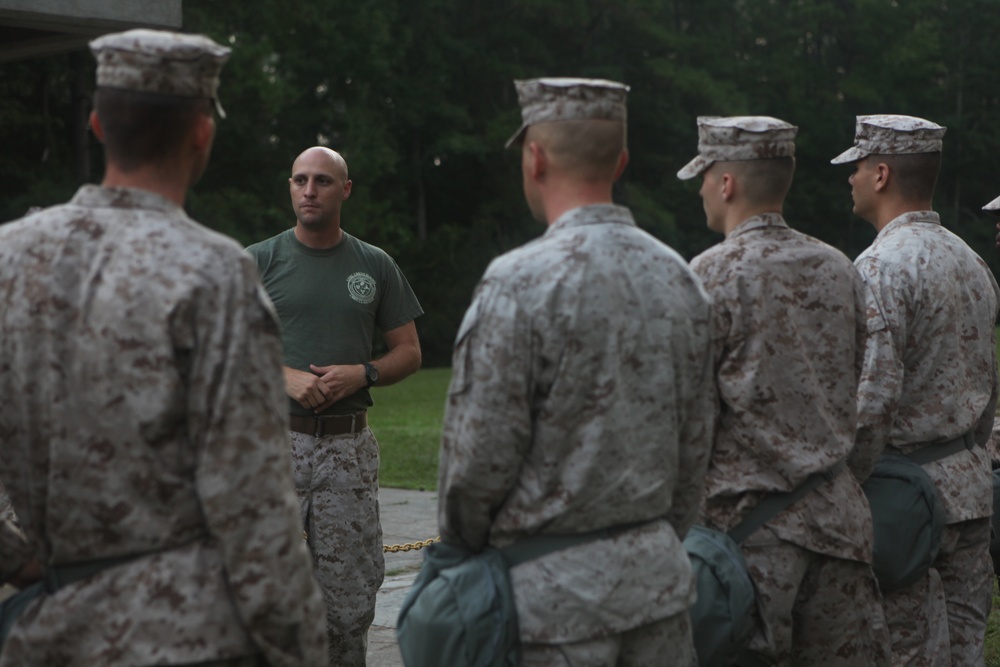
column 318, row 186
column 588, row 148
column 916, row 174
column 765, row 182
column 322, row 152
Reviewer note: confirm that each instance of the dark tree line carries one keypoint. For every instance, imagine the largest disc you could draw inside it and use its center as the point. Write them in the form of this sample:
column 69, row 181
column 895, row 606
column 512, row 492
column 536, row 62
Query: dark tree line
column 417, row 95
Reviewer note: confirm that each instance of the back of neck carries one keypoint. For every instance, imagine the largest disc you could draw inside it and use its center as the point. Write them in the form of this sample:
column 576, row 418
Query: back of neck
column 557, row 201
column 152, row 179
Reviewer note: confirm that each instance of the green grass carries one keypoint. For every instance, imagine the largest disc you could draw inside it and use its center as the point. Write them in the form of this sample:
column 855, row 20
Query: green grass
column 993, row 632
column 407, row 418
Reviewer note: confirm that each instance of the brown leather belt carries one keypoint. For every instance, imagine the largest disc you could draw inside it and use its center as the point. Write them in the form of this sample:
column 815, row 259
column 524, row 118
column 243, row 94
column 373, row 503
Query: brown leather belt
column 332, row 425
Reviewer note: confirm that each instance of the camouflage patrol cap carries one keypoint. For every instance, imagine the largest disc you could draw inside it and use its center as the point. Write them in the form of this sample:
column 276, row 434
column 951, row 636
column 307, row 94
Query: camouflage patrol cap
column 725, row 138
column 165, row 63
column 993, row 206
column 889, row 134
column 553, row 99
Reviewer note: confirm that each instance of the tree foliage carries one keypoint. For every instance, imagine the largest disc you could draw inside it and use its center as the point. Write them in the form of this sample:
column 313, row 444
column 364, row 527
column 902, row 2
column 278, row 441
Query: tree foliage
column 418, row 97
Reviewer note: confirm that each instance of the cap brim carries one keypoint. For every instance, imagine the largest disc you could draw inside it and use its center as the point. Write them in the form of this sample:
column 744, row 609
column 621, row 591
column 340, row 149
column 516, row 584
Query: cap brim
column 993, row 206
column 516, row 137
column 694, row 167
column 852, row 154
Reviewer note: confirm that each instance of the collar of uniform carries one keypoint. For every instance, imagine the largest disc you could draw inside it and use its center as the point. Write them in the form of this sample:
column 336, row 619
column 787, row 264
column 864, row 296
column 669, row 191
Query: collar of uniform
column 930, row 217
column 594, row 214
column 757, row 222
column 95, row 196
column 300, row 247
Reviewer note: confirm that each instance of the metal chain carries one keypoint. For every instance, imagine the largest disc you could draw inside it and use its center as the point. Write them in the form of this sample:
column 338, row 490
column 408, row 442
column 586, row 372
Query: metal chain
column 395, row 548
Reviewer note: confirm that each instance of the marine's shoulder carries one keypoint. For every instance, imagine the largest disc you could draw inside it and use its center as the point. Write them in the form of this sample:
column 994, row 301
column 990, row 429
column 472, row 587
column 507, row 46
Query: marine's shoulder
column 820, row 249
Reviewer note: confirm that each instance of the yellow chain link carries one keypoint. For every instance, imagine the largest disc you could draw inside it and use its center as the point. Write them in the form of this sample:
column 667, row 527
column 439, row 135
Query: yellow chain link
column 396, row 548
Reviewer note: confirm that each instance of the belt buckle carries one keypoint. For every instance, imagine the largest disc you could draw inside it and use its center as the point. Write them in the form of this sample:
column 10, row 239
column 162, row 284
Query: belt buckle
column 321, row 422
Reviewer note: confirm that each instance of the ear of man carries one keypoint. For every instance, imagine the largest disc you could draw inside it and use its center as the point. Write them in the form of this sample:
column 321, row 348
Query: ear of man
column 538, row 162
column 914, row 176
column 202, row 132
column 727, row 181
column 96, row 127
column 881, row 175
column 622, row 163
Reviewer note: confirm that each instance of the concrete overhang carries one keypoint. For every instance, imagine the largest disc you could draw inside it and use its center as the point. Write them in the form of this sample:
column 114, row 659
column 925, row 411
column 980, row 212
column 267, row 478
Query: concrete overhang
column 34, row 28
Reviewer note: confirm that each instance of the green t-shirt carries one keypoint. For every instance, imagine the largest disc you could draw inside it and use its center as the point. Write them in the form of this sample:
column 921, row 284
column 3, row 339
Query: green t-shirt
column 330, row 301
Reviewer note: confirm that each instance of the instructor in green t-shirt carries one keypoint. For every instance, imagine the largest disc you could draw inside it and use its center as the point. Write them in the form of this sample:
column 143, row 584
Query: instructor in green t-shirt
column 331, row 290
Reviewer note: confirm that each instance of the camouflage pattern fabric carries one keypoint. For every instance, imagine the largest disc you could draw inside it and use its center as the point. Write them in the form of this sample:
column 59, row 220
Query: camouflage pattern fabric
column 789, row 318
column 144, row 413
column 553, row 99
column 917, row 617
column 164, row 63
column 930, row 365
column 789, row 327
column 966, row 571
column 582, row 398
column 814, row 609
column 14, row 550
column 336, row 478
column 254, row 661
column 891, row 134
column 652, row 645
column 945, row 613
column 930, row 375
column 739, row 138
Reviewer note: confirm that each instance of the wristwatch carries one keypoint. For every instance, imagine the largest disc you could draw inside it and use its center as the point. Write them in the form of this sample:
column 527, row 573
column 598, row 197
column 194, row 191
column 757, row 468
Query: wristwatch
column 371, row 374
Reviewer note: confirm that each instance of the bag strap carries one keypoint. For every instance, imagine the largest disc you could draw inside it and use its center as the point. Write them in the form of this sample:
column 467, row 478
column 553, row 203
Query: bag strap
column 940, row 450
column 54, row 579
column 59, row 576
column 779, row 501
column 537, row 546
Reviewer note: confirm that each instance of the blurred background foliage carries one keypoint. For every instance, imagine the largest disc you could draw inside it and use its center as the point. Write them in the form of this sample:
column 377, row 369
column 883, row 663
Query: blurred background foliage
column 418, row 98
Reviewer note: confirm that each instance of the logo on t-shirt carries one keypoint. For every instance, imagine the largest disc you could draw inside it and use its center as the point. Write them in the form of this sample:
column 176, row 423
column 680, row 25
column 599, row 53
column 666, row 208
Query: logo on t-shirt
column 361, row 287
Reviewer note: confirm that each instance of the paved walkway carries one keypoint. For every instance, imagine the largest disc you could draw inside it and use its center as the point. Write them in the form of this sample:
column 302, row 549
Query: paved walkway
column 407, row 517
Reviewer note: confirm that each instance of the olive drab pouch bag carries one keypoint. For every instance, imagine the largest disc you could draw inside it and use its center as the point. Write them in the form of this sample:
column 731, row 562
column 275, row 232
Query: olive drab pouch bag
column 722, row 616
column 907, row 519
column 460, row 612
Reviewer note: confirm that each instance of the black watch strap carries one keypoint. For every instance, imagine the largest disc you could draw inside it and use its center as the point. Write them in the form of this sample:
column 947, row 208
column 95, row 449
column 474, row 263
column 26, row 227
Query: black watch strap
column 371, row 374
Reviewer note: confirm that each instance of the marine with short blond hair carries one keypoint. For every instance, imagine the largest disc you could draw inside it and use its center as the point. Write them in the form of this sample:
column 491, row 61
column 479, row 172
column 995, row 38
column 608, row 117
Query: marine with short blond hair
column 929, row 379
column 581, row 402
column 789, row 341
column 144, row 441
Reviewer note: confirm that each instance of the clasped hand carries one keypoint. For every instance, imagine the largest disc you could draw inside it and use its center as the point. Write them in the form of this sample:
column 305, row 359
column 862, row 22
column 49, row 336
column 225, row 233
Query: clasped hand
column 324, row 386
